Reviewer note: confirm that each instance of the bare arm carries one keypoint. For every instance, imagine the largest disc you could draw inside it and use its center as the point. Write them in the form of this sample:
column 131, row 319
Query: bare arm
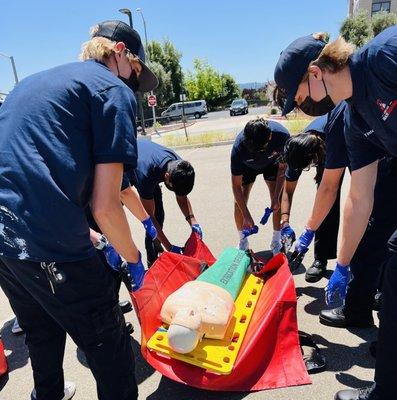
column 131, row 200
column 108, row 211
column 150, row 207
column 358, row 208
column 286, row 200
column 186, row 208
column 237, row 184
column 325, row 197
column 280, row 179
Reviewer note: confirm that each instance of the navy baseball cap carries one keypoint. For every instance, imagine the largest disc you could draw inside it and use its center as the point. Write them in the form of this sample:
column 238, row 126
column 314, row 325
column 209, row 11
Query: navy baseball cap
column 119, row 31
column 293, row 64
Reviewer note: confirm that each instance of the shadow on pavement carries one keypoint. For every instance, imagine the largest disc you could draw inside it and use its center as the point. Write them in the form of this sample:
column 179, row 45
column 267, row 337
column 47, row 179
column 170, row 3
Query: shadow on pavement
column 142, row 369
column 318, row 296
column 341, row 357
column 3, row 381
column 15, row 344
column 352, row 381
column 169, row 389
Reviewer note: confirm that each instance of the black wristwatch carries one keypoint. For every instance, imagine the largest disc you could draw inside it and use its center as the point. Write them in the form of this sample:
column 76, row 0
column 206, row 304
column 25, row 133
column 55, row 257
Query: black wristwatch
column 102, row 243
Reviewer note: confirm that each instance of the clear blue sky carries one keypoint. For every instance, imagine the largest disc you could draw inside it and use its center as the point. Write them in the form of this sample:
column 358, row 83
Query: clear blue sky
column 243, row 38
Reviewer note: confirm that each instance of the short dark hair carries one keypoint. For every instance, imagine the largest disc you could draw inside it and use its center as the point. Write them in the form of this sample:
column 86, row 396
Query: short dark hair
column 302, row 150
column 256, row 134
column 181, row 176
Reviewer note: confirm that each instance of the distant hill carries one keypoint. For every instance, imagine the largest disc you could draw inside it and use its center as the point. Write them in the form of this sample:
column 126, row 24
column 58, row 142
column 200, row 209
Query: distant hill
column 251, row 85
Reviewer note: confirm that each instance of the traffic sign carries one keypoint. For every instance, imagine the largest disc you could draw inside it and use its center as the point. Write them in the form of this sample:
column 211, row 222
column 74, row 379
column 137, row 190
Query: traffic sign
column 182, row 97
column 152, row 100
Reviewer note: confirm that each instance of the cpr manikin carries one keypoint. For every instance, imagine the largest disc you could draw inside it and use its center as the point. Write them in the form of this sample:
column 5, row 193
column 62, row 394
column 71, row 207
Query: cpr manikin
column 196, row 309
column 205, row 306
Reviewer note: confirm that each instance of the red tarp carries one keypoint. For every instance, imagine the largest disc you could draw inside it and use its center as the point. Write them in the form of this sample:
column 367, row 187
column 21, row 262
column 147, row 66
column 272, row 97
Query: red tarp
column 270, row 356
column 3, row 360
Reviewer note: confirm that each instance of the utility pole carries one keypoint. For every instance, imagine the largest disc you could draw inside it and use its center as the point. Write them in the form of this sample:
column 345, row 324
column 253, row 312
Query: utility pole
column 128, row 12
column 139, row 10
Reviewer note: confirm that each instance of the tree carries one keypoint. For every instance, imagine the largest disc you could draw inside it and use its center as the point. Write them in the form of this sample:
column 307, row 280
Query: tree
column 230, row 89
column 361, row 28
column 382, row 20
column 206, row 83
column 169, row 57
column 357, row 29
column 164, row 91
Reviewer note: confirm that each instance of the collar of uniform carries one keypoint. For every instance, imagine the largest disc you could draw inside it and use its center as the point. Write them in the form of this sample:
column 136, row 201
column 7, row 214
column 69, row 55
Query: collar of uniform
column 358, row 78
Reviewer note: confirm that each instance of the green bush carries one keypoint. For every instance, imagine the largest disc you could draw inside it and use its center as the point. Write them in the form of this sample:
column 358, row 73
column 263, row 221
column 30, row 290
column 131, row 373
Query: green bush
column 273, row 111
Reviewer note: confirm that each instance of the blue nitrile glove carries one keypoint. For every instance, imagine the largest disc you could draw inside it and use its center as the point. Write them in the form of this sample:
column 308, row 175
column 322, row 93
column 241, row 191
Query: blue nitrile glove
column 250, row 231
column 150, row 228
column 266, row 215
column 112, row 257
column 337, row 284
column 176, row 249
column 197, row 228
column 136, row 273
column 303, row 243
column 287, row 237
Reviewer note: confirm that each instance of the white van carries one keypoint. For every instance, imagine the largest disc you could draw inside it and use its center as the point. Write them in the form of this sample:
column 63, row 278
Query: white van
column 197, row 108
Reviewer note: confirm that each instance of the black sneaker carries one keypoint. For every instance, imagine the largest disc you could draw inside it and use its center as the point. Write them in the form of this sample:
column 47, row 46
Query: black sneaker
column 337, row 319
column 316, row 271
column 125, row 306
column 357, row 394
column 129, row 327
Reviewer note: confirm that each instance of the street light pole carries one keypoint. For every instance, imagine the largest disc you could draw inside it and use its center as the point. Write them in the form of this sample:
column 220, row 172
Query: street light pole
column 139, row 10
column 14, row 69
column 128, row 12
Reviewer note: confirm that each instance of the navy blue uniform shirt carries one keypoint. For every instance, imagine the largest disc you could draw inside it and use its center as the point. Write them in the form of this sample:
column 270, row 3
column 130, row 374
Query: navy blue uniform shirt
column 55, row 127
column 374, row 102
column 330, row 128
column 241, row 157
column 151, row 167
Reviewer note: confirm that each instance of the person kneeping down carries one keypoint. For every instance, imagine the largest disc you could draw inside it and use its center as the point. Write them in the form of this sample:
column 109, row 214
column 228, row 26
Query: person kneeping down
column 158, row 164
column 257, row 151
column 322, row 145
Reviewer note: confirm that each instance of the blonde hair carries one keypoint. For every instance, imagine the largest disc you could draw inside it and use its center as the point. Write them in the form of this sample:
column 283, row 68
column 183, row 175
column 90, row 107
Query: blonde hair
column 100, row 48
column 334, row 56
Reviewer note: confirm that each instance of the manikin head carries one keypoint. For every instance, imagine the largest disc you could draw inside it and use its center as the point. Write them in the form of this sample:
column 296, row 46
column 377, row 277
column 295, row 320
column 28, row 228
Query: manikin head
column 184, row 332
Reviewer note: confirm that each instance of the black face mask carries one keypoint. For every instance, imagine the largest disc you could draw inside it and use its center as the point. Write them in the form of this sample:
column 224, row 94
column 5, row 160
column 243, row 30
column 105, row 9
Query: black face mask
column 132, row 82
column 317, row 108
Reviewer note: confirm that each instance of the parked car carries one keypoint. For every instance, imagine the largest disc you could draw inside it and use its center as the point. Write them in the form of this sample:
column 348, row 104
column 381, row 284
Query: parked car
column 196, row 108
column 239, row 106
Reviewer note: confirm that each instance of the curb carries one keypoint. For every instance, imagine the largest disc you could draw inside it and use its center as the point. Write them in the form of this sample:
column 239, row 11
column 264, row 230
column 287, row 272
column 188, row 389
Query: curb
column 196, row 146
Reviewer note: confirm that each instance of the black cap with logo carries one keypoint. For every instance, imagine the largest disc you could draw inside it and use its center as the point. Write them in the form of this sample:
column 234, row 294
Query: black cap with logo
column 293, row 64
column 119, row 31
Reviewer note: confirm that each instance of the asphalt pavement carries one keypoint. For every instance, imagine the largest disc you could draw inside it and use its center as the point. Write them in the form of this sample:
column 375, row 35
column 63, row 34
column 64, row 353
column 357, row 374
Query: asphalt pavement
column 348, row 361
column 225, row 113
column 219, row 121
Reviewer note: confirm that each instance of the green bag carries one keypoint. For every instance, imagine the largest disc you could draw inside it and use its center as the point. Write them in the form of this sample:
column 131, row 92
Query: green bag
column 229, row 271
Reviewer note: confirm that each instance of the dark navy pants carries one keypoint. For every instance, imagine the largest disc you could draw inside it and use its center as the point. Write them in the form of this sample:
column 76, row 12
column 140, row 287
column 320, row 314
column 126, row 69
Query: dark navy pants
column 386, row 353
column 85, row 306
column 152, row 250
column 326, row 236
column 372, row 252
